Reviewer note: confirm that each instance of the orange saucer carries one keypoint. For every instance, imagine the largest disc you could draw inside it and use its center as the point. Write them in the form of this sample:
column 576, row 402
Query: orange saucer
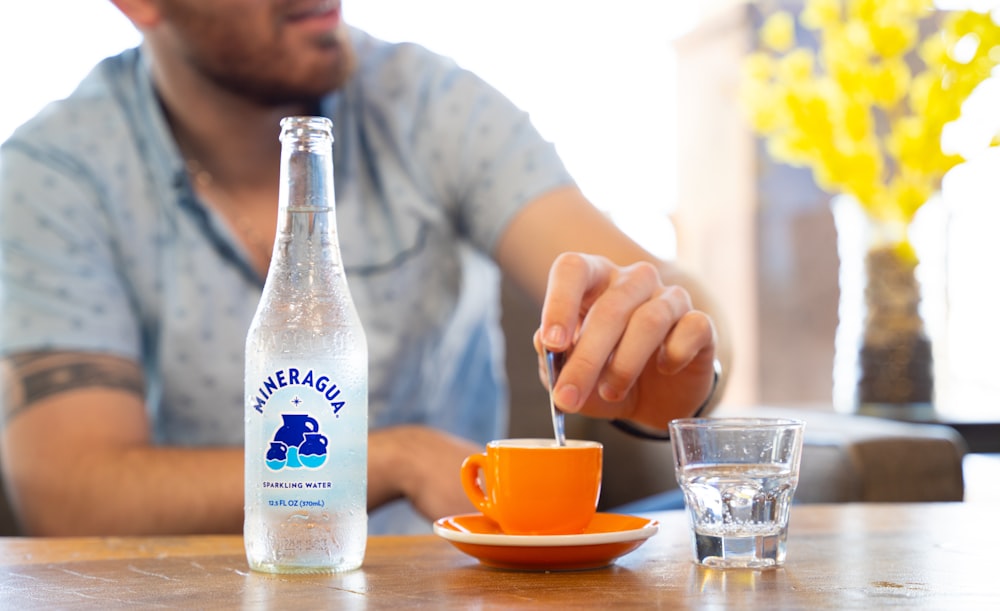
column 609, row 536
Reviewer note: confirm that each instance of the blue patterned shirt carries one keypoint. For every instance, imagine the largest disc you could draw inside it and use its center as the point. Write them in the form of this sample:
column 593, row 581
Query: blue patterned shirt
column 104, row 246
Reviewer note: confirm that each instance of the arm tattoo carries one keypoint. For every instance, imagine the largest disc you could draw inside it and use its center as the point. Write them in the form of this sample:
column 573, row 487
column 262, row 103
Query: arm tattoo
column 27, row 378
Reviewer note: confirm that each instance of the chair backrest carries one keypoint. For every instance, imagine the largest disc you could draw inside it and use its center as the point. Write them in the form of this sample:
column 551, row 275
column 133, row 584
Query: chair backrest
column 8, row 524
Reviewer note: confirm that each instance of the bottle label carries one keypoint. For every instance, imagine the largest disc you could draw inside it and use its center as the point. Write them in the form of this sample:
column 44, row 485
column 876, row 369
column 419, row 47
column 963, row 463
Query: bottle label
column 292, row 376
column 306, row 439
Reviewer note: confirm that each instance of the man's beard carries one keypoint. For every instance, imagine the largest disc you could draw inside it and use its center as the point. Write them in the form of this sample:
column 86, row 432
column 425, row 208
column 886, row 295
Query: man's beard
column 274, row 88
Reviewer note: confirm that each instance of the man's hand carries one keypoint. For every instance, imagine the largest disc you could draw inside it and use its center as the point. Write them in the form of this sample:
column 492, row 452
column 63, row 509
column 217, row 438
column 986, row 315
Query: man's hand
column 640, row 333
column 420, row 464
column 637, row 349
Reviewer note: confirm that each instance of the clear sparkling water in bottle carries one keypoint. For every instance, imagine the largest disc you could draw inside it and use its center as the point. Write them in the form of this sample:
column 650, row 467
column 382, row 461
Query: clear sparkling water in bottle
column 306, row 381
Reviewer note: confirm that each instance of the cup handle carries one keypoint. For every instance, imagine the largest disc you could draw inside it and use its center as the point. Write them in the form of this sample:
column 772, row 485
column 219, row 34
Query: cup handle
column 471, row 468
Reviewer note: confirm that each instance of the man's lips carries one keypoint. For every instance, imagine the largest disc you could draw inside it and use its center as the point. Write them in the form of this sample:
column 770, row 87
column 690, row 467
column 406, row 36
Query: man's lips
column 319, row 15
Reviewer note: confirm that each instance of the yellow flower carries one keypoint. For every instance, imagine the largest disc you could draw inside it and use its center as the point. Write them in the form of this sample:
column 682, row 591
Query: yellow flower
column 920, row 91
column 758, row 67
column 890, row 82
column 934, row 51
column 821, row 14
column 893, row 40
column 765, row 112
column 796, row 67
column 862, row 169
column 857, row 36
column 863, row 10
column 905, row 141
column 778, row 31
column 785, row 148
column 915, row 8
column 865, row 110
column 909, row 193
column 857, row 119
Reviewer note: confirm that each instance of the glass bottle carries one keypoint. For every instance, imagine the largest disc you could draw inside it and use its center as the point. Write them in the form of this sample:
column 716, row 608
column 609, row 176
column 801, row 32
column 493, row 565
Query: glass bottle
column 306, row 381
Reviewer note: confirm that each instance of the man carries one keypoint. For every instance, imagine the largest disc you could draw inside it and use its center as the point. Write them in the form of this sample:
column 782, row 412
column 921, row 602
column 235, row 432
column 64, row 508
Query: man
column 136, row 225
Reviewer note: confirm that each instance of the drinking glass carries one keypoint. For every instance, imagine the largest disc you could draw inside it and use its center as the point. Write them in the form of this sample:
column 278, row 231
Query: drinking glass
column 738, row 476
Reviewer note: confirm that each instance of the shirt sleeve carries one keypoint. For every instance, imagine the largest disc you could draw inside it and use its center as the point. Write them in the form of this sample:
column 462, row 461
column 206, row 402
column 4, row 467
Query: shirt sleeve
column 484, row 152
column 58, row 286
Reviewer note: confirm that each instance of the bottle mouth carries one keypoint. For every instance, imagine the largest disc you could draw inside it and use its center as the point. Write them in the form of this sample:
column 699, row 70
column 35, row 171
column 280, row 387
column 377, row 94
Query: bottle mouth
column 307, row 130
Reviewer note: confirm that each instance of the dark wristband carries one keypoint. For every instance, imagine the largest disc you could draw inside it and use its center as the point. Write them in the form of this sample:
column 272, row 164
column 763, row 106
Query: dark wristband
column 644, row 433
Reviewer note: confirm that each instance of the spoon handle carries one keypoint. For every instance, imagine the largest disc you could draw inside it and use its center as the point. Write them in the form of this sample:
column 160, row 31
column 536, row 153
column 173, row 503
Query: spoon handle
column 554, row 362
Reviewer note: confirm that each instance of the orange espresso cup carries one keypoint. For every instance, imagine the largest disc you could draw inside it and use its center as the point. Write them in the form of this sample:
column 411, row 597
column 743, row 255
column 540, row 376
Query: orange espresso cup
column 534, row 486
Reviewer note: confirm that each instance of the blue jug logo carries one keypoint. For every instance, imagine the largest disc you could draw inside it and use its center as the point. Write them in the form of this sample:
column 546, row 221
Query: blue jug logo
column 297, row 443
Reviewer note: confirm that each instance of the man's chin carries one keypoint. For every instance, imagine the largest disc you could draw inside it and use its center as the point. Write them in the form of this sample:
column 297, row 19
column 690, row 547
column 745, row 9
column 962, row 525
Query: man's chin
column 304, row 90
column 313, row 82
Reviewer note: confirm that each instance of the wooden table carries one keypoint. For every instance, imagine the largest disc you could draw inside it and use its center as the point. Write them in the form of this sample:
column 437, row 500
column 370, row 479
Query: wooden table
column 863, row 556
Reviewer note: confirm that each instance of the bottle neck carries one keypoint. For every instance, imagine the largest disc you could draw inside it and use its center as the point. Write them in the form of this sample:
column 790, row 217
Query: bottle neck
column 307, row 229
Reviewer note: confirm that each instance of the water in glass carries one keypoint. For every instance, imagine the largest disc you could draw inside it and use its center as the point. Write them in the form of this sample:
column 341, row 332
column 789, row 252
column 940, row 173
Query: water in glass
column 739, row 512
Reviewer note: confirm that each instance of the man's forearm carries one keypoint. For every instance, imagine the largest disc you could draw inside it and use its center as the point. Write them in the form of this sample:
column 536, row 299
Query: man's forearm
column 169, row 490
column 78, row 457
column 140, row 490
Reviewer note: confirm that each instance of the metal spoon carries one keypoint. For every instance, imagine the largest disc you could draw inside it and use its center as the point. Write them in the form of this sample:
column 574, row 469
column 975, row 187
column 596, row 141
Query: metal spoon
column 554, row 362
